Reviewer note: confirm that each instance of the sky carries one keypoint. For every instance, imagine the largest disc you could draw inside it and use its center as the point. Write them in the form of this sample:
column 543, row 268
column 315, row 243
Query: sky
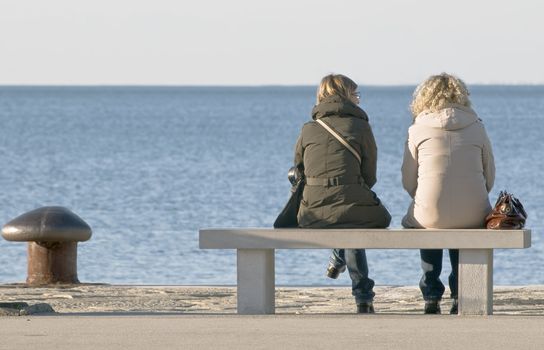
column 279, row 42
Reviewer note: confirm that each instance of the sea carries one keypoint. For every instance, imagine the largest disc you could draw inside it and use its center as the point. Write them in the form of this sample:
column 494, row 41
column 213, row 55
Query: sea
column 148, row 166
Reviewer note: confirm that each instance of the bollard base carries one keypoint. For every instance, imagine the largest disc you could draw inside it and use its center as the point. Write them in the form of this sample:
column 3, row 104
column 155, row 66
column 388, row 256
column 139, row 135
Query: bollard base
column 52, row 262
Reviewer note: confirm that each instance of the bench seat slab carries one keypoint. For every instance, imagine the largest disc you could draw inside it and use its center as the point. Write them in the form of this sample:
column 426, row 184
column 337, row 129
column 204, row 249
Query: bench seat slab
column 261, row 238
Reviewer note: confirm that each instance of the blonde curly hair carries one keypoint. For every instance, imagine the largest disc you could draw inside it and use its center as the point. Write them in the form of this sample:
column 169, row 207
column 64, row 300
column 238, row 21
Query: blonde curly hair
column 438, row 92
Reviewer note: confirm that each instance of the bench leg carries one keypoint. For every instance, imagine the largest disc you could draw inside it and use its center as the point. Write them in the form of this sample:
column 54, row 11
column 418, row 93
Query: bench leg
column 475, row 281
column 256, row 281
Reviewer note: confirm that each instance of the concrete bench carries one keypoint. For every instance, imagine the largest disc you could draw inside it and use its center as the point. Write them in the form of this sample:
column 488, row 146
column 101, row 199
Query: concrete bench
column 255, row 256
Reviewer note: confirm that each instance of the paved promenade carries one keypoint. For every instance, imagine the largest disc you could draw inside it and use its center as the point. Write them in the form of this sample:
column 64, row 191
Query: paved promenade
column 272, row 332
column 181, row 317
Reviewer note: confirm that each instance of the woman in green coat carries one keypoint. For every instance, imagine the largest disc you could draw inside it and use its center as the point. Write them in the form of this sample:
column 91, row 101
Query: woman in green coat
column 338, row 187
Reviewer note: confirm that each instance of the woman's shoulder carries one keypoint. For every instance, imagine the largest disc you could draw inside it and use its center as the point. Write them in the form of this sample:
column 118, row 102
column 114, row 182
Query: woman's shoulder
column 309, row 124
column 309, row 128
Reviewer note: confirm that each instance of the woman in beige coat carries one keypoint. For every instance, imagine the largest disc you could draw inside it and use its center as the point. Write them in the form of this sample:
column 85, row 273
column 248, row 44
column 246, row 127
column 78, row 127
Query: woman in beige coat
column 448, row 170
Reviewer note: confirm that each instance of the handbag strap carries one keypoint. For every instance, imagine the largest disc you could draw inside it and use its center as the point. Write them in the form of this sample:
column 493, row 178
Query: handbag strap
column 340, row 138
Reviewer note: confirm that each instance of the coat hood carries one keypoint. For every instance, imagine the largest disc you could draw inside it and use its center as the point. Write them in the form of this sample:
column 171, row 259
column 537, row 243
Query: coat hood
column 336, row 105
column 450, row 118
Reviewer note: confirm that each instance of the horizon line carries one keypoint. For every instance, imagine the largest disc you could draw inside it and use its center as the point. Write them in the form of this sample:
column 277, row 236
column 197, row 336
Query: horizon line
column 245, row 85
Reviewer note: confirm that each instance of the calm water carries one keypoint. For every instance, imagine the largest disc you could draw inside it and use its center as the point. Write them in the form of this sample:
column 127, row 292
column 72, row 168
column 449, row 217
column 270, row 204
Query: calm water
column 147, row 167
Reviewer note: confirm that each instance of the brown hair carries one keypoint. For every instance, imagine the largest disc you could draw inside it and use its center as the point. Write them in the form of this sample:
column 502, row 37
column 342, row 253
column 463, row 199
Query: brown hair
column 336, row 84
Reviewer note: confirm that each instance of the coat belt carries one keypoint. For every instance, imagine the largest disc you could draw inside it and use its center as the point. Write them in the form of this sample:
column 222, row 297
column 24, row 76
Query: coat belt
column 334, row 181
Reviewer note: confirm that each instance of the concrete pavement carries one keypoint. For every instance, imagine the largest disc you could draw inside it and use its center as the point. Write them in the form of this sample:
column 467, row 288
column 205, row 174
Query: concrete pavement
column 179, row 331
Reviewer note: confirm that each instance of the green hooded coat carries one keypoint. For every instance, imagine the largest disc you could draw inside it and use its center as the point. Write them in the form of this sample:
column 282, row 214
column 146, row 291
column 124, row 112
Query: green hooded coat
column 337, row 193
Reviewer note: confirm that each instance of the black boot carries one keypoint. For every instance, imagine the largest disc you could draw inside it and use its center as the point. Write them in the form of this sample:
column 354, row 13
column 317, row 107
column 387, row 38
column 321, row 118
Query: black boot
column 432, row 307
column 454, row 307
column 365, row 308
column 333, row 272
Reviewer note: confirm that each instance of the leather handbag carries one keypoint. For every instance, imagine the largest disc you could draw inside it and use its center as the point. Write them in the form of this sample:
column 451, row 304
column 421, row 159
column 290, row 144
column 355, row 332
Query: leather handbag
column 507, row 214
column 288, row 215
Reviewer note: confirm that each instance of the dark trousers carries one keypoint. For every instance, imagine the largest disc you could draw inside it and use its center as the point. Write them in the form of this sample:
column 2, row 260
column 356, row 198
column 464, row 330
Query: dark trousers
column 355, row 260
column 431, row 263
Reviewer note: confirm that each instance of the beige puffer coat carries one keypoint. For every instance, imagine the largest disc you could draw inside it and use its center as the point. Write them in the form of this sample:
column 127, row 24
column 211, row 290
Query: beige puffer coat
column 448, row 170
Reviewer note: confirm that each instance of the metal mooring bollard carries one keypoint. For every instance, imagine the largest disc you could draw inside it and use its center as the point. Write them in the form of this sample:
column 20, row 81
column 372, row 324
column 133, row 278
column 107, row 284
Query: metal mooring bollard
column 52, row 234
